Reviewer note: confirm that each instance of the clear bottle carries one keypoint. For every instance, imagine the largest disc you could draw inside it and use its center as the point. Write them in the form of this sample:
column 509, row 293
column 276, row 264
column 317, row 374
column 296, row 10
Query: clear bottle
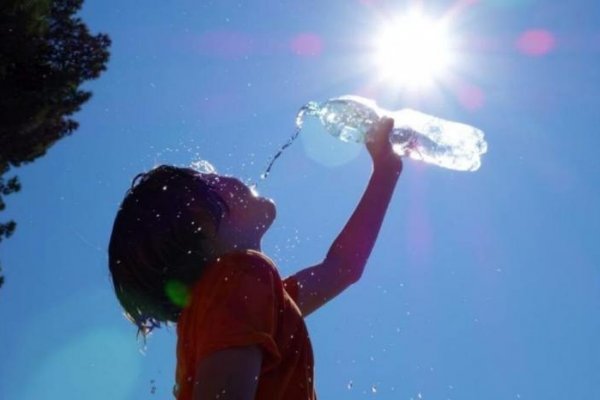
column 416, row 135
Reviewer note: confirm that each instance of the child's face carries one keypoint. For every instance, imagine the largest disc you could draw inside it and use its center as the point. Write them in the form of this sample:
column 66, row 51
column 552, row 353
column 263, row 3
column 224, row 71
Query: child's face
column 249, row 215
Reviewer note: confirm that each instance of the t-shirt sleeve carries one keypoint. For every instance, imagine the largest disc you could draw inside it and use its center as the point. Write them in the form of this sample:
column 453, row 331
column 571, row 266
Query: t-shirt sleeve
column 243, row 313
column 290, row 284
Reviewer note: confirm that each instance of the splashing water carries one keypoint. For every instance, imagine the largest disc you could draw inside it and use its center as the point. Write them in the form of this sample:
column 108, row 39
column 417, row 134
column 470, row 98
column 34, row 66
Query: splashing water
column 203, row 167
column 311, row 108
column 253, row 189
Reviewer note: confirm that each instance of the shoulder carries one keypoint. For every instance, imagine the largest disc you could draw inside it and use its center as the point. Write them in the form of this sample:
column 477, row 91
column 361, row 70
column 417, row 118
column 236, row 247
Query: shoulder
column 257, row 258
column 250, row 285
column 250, row 262
column 239, row 271
column 236, row 282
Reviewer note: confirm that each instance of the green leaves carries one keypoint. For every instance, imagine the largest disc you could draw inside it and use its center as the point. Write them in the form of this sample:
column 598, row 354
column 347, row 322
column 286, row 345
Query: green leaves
column 46, row 53
column 43, row 68
column 11, row 186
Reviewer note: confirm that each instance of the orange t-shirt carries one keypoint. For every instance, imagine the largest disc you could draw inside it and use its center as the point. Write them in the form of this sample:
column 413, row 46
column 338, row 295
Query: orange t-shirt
column 241, row 300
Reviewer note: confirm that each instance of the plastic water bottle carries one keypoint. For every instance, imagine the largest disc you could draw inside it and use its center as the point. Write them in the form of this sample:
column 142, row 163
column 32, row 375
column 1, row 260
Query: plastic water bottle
column 416, row 135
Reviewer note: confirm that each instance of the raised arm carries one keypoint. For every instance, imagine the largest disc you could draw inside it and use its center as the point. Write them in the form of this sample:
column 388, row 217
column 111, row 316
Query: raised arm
column 347, row 256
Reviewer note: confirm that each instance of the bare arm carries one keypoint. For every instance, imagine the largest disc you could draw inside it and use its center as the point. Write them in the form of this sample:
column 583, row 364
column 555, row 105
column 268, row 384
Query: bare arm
column 230, row 374
column 347, row 256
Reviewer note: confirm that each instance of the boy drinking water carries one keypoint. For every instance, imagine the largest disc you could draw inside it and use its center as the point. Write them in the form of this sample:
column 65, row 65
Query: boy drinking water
column 186, row 248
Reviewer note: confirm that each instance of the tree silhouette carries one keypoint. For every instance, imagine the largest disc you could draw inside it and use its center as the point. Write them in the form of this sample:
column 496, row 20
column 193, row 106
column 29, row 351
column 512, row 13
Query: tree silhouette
column 46, row 53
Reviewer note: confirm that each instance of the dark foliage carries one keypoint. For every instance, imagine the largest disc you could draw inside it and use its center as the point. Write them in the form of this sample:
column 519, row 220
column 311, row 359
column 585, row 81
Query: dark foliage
column 46, row 53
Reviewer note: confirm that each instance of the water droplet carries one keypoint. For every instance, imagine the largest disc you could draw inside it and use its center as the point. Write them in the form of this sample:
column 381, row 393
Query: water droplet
column 203, row 166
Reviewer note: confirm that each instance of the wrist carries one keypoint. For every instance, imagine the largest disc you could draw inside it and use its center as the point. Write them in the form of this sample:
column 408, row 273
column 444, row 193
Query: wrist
column 391, row 164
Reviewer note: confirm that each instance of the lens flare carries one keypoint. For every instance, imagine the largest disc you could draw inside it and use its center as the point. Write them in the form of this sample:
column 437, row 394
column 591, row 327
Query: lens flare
column 413, row 50
column 307, row 45
column 471, row 97
column 536, row 42
column 178, row 293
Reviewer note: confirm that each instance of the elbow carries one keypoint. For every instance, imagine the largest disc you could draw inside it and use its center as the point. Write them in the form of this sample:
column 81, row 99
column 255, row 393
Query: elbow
column 349, row 270
column 353, row 271
column 354, row 277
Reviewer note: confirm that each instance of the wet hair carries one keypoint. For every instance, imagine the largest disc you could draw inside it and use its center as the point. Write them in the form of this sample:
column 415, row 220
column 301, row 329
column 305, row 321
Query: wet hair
column 162, row 237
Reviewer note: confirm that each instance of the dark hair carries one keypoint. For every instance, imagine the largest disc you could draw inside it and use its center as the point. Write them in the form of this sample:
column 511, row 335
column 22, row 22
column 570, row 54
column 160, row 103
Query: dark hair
column 162, row 237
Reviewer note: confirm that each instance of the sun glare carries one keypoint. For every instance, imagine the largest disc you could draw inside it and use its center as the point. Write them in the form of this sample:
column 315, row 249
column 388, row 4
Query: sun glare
column 413, row 50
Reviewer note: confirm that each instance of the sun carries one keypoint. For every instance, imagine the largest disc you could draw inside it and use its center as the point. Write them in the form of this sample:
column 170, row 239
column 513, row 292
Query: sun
column 413, row 50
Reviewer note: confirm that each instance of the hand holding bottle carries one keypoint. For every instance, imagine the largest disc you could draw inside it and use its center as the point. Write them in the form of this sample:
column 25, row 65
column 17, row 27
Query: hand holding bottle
column 416, row 135
column 380, row 147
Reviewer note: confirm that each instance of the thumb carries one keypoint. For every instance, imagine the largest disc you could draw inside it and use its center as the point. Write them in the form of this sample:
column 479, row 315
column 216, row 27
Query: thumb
column 387, row 124
column 382, row 128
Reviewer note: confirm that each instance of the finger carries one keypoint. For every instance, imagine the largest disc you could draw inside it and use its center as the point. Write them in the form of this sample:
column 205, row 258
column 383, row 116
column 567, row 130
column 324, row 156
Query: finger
column 382, row 129
column 384, row 125
column 387, row 123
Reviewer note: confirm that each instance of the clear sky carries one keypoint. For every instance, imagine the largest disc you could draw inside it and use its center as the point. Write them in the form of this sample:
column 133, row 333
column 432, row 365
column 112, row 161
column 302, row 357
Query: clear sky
column 483, row 285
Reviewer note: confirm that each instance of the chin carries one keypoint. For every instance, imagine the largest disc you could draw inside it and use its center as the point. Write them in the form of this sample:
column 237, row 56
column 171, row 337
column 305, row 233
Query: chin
column 269, row 212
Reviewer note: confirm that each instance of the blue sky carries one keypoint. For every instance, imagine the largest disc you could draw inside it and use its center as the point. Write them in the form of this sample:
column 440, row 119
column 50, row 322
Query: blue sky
column 482, row 284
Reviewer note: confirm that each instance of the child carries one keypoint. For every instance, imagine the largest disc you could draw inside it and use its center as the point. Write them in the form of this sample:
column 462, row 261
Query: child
column 185, row 248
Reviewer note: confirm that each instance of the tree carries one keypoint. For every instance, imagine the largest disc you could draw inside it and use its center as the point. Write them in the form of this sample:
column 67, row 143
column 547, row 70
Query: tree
column 46, row 53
